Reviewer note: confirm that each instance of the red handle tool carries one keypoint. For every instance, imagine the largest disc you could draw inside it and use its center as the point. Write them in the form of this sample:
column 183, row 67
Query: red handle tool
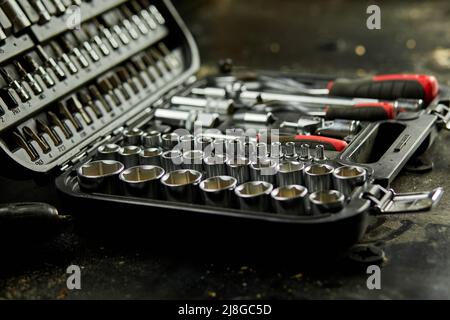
column 387, row 87
column 373, row 111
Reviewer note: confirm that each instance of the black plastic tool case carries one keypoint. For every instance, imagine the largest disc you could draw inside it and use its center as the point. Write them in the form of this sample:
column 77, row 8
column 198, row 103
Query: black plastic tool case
column 189, row 221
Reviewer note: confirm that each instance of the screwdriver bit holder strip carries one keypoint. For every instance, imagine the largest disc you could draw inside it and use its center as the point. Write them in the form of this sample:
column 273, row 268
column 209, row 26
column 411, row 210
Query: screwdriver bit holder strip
column 73, row 81
column 104, row 125
column 61, row 24
column 19, row 124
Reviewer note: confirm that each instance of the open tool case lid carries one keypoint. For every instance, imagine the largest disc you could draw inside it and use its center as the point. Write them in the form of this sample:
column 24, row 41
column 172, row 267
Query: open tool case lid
column 173, row 32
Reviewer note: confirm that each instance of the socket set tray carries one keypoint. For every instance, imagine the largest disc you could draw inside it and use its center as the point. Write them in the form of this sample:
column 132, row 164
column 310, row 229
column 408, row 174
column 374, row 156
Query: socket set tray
column 114, row 111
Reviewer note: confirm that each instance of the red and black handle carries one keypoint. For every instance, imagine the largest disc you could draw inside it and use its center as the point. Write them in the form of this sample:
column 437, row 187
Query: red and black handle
column 363, row 112
column 387, row 87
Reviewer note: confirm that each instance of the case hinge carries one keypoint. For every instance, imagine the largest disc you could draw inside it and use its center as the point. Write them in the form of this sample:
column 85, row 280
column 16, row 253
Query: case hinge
column 387, row 201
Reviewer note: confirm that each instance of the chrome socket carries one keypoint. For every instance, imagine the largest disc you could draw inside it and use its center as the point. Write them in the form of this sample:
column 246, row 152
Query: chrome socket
column 193, row 159
column 182, row 185
column 142, row 181
column 151, row 139
column 254, row 195
column 318, row 177
column 347, row 178
column 290, row 199
column 215, row 165
column 290, row 153
column 264, row 170
column 129, row 156
column 326, row 201
column 204, row 144
column 187, row 142
column 239, row 169
column 172, row 160
column 150, row 156
column 108, row 151
column 132, row 137
column 219, row 146
column 169, row 140
column 218, row 191
column 276, row 151
column 100, row 176
column 290, row 173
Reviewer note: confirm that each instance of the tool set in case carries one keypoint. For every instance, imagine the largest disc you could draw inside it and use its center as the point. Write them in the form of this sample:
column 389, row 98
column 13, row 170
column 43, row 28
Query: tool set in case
column 112, row 109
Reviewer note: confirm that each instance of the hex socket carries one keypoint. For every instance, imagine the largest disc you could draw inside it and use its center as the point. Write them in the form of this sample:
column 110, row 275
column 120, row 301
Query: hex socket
column 169, row 140
column 218, row 191
column 150, row 156
column 326, row 201
column 254, row 195
column 193, row 159
column 264, row 170
column 132, row 137
column 347, row 178
column 172, row 160
column 108, row 151
column 290, row 173
column 100, row 176
column 182, row 185
column 239, row 169
column 318, row 177
column 290, row 199
column 142, row 181
column 129, row 156
column 215, row 165
column 151, row 139
column 187, row 142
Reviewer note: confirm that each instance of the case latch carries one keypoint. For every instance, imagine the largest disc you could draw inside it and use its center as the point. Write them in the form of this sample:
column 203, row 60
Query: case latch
column 387, row 201
column 443, row 113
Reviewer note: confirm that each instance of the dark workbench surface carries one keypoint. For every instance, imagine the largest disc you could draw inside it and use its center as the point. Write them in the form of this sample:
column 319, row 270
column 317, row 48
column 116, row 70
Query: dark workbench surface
column 315, row 37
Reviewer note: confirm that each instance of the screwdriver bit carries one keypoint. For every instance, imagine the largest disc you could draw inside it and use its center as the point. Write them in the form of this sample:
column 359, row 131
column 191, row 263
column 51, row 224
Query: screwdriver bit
column 98, row 96
column 49, row 131
column 108, row 35
column 125, row 76
column 116, row 83
column 65, row 58
column 130, row 67
column 44, row 15
column 136, row 20
column 22, row 143
column 8, row 98
column 76, row 105
column 54, row 119
column 45, row 76
column 98, row 41
column 51, row 63
column 138, row 8
column 29, row 78
column 86, row 45
column 86, row 100
column 39, row 140
column 69, row 48
column 69, row 116
column 14, row 84
column 107, row 88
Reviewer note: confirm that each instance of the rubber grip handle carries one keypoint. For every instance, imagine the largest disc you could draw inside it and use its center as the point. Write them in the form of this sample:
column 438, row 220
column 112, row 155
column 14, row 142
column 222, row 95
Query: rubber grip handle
column 362, row 112
column 387, row 87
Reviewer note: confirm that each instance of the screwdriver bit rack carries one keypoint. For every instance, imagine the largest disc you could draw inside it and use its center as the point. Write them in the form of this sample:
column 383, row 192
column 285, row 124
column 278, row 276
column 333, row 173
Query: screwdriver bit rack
column 123, row 56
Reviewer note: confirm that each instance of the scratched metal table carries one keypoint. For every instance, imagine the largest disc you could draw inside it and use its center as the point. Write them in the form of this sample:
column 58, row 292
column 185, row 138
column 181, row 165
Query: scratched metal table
column 328, row 36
